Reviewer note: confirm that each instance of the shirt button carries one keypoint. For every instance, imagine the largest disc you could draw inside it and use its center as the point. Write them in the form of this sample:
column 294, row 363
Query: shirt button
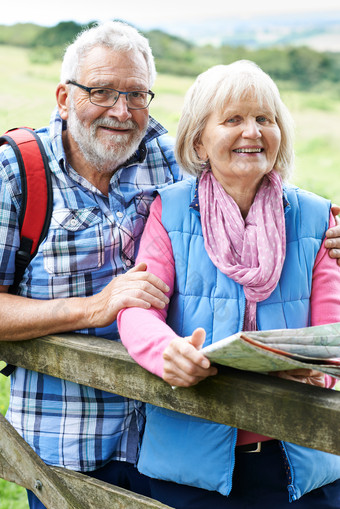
column 128, row 263
column 119, row 214
column 73, row 222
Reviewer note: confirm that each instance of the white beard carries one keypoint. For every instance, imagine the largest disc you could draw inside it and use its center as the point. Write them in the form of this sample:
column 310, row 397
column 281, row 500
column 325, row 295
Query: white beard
column 105, row 158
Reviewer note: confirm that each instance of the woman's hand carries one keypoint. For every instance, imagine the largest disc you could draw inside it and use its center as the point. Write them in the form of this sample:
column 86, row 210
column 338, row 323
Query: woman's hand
column 333, row 236
column 184, row 364
column 304, row 376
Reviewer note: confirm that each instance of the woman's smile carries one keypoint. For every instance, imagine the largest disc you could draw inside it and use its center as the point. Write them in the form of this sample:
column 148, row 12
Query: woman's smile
column 241, row 143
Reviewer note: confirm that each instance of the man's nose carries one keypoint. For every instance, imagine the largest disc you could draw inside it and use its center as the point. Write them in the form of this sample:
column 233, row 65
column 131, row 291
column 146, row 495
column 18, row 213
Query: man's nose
column 120, row 109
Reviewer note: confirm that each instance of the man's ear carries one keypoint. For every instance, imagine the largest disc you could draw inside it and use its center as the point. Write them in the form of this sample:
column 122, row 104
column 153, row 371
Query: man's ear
column 62, row 100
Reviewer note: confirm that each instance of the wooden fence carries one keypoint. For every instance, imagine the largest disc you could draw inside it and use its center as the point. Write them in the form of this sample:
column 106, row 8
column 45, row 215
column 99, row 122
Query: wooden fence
column 282, row 409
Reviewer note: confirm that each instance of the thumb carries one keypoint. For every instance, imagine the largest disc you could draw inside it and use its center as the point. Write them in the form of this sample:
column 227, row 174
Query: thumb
column 140, row 267
column 335, row 210
column 197, row 339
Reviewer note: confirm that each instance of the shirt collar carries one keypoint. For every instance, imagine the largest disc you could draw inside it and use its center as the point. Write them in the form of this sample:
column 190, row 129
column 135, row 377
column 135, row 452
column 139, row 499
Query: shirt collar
column 57, row 126
column 154, row 130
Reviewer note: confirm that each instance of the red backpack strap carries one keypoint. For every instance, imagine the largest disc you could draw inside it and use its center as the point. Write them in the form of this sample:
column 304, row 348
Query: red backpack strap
column 36, row 207
column 37, row 200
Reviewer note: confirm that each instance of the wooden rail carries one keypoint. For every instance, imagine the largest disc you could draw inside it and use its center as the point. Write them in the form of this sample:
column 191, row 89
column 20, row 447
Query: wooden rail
column 282, row 409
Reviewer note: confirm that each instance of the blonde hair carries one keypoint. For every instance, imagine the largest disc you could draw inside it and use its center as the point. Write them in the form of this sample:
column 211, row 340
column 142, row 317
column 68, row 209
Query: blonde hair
column 230, row 83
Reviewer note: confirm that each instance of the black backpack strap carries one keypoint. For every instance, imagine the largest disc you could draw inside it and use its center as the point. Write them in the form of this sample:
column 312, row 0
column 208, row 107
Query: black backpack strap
column 37, row 200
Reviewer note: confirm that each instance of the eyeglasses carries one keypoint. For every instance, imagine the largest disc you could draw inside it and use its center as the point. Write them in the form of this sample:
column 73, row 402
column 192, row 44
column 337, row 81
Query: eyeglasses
column 107, row 97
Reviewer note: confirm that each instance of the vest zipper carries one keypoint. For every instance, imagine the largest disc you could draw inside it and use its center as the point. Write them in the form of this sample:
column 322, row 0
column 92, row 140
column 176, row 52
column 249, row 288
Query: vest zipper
column 289, row 472
column 233, row 463
column 243, row 310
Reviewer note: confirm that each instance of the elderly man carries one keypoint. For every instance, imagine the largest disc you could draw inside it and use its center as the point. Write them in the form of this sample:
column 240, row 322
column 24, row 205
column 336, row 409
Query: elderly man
column 107, row 159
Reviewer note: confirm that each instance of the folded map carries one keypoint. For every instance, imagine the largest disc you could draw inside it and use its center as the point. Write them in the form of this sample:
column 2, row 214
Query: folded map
column 282, row 349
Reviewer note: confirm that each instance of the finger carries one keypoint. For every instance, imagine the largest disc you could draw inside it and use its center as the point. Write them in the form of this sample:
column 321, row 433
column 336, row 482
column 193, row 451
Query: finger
column 305, row 376
column 287, row 376
column 182, row 358
column 146, row 293
column 335, row 210
column 137, row 268
column 182, row 378
column 334, row 253
column 192, row 352
column 186, row 367
column 142, row 275
column 333, row 232
column 301, row 372
column 147, row 288
column 178, row 381
column 138, row 284
column 197, row 339
column 317, row 380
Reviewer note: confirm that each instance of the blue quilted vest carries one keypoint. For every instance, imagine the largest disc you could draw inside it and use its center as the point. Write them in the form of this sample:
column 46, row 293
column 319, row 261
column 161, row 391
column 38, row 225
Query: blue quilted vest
column 197, row 452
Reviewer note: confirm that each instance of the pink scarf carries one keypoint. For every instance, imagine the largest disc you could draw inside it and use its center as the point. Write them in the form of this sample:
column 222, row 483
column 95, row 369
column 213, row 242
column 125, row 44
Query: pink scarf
column 250, row 251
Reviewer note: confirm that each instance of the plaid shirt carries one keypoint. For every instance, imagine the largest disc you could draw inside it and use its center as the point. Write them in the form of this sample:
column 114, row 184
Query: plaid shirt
column 92, row 237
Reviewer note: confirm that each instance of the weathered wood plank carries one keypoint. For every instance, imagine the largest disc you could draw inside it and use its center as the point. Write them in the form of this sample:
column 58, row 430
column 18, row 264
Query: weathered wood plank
column 32, row 471
column 279, row 408
column 59, row 488
column 100, row 495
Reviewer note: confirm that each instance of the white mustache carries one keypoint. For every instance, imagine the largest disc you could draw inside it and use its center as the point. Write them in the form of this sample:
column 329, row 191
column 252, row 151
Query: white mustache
column 107, row 122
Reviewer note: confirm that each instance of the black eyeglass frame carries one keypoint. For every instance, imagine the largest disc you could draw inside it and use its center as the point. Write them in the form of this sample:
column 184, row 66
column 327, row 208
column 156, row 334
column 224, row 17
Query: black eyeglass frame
column 89, row 90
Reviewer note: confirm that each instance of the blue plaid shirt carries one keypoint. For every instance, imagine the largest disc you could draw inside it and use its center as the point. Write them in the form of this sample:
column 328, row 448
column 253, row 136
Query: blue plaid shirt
column 92, row 237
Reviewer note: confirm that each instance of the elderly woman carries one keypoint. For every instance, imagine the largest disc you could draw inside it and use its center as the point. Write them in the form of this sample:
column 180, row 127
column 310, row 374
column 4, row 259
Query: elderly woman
column 239, row 249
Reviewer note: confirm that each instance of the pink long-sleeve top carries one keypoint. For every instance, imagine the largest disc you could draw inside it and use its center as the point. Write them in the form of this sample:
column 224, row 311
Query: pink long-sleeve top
column 145, row 333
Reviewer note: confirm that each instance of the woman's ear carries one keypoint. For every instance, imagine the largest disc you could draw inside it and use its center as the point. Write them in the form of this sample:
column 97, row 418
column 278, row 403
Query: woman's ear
column 200, row 150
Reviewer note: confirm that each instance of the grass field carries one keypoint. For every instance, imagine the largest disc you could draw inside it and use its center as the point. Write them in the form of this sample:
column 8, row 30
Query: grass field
column 27, row 97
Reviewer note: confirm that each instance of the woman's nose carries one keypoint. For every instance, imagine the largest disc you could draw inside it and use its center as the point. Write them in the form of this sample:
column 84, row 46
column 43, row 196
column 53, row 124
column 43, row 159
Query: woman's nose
column 251, row 129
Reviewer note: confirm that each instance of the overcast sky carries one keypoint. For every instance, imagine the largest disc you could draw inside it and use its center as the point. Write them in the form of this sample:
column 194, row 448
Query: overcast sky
column 150, row 13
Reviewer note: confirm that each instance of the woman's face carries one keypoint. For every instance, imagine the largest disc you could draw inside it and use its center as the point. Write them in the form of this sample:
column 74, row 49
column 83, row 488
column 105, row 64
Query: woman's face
column 241, row 143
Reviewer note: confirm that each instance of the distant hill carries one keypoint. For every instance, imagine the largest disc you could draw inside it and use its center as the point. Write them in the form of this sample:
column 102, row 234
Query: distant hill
column 318, row 30
column 30, row 35
column 21, row 34
column 283, row 47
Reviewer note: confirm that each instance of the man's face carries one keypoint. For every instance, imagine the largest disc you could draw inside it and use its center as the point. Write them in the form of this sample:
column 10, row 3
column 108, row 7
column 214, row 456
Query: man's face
column 107, row 137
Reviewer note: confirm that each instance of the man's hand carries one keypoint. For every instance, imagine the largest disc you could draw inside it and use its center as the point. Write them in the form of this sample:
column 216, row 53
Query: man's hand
column 135, row 288
column 184, row 364
column 304, row 376
column 333, row 236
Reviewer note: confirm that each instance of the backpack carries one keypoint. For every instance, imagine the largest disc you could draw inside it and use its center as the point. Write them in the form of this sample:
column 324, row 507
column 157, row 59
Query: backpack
column 37, row 200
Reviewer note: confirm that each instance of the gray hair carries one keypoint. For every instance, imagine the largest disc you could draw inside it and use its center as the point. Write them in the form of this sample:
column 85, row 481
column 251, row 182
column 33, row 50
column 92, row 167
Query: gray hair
column 211, row 91
column 115, row 35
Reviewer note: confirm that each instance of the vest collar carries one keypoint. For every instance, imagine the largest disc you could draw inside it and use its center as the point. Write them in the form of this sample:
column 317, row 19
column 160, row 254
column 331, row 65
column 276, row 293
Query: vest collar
column 195, row 204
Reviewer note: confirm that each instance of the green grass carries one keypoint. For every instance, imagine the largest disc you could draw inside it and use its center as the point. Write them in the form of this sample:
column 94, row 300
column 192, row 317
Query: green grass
column 27, row 97
column 12, row 496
